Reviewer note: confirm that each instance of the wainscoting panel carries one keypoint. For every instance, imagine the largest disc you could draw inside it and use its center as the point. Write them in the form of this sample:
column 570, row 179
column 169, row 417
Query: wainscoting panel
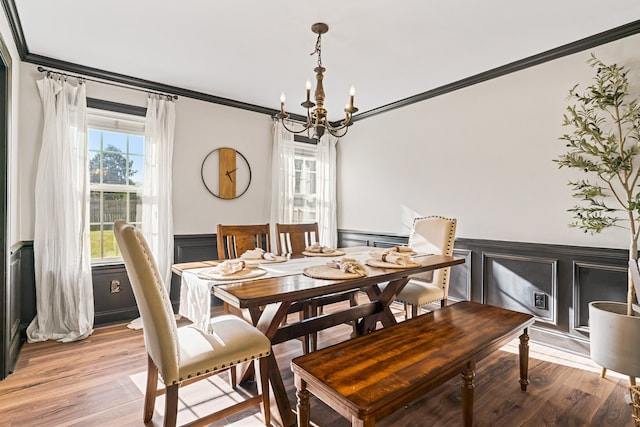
column 460, row 279
column 27, row 287
column 112, row 294
column 520, row 283
column 354, row 238
column 495, row 272
column 11, row 338
column 512, row 274
column 596, row 282
column 199, row 247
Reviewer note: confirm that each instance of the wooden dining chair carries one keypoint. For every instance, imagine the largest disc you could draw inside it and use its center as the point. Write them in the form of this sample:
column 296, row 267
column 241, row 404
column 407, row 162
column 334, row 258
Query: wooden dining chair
column 429, row 235
column 292, row 239
column 234, row 240
column 186, row 354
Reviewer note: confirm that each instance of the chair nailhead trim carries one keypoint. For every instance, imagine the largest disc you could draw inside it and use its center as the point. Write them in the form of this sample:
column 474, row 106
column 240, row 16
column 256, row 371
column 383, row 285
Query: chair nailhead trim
column 215, row 368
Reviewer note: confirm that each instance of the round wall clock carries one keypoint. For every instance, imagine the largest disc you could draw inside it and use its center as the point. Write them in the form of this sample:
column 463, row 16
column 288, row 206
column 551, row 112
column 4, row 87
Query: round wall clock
column 226, row 173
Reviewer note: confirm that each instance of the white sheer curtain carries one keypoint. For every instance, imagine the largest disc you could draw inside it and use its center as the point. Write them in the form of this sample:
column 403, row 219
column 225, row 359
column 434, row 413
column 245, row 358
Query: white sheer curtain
column 326, row 188
column 62, row 255
column 282, row 177
column 157, row 206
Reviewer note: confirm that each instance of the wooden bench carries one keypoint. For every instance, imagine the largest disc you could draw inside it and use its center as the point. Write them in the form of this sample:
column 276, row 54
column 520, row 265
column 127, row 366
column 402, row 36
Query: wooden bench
column 369, row 377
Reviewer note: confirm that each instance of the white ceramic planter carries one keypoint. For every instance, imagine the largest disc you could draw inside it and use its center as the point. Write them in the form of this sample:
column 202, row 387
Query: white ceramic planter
column 615, row 337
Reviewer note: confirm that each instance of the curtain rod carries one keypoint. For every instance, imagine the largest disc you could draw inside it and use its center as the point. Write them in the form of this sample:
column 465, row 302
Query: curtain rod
column 44, row 70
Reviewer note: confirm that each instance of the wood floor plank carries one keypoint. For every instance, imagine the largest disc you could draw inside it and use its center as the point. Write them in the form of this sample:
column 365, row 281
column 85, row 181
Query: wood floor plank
column 100, row 381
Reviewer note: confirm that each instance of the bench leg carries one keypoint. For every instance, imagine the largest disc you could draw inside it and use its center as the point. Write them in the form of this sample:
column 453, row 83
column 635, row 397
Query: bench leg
column 467, row 393
column 523, row 350
column 303, row 407
column 356, row 422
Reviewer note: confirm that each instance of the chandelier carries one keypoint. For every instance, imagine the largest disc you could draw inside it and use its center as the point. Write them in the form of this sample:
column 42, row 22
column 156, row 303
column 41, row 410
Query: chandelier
column 316, row 113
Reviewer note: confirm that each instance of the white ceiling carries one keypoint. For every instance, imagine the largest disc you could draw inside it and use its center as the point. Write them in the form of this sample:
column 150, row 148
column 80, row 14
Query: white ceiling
column 252, row 50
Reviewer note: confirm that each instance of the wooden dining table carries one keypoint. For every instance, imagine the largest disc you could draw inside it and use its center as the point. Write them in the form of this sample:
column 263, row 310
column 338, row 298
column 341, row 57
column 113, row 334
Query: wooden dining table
column 268, row 301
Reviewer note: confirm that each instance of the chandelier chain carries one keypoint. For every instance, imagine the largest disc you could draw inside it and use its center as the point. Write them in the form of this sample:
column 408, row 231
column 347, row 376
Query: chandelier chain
column 318, row 49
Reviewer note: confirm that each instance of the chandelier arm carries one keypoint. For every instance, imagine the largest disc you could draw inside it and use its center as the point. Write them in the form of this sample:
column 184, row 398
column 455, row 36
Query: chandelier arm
column 335, row 132
column 306, row 127
column 347, row 121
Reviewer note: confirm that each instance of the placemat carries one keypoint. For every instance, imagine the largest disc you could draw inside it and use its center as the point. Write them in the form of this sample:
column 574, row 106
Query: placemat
column 195, row 264
column 383, row 264
column 326, row 272
column 410, row 253
column 247, row 273
column 334, row 253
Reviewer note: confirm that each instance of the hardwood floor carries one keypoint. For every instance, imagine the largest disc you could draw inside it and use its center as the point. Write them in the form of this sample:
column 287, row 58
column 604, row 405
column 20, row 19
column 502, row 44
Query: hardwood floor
column 100, row 381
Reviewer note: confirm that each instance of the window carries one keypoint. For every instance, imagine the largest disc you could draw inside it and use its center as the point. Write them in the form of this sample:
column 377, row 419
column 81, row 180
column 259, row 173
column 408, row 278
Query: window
column 116, row 170
column 305, row 193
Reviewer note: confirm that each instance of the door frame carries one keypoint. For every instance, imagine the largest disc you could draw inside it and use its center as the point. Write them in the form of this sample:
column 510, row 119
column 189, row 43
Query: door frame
column 6, row 363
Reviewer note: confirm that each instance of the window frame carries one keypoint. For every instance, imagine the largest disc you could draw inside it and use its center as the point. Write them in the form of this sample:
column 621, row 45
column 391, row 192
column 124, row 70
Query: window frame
column 305, row 148
column 113, row 117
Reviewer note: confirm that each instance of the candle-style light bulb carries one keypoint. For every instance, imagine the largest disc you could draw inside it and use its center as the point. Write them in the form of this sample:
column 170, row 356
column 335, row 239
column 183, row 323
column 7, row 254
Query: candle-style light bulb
column 282, row 98
column 308, row 89
column 352, row 93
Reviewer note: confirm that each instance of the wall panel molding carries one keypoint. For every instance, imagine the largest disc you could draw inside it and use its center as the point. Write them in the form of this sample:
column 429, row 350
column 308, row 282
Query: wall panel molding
column 460, row 278
column 508, row 273
column 595, row 282
column 512, row 282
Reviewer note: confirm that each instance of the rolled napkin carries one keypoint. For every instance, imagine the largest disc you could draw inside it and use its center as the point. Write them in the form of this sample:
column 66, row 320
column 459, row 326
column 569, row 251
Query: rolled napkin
column 348, row 265
column 229, row 267
column 258, row 253
column 401, row 249
column 392, row 257
column 317, row 248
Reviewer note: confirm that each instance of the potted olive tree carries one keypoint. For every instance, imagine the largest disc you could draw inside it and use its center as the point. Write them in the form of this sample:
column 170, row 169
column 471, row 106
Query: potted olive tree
column 604, row 142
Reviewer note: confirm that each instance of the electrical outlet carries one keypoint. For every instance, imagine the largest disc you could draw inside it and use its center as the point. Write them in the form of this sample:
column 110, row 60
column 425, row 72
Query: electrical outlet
column 115, row 286
column 540, row 300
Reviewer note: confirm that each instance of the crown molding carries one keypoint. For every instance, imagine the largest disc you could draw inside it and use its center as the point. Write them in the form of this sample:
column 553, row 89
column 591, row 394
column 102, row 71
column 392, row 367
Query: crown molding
column 559, row 52
column 10, row 10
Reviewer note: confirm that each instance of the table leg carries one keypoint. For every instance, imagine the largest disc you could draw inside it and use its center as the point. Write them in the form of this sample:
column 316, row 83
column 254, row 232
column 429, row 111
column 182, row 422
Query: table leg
column 384, row 298
column 284, row 414
column 523, row 350
column 467, row 393
column 304, row 412
column 368, row 324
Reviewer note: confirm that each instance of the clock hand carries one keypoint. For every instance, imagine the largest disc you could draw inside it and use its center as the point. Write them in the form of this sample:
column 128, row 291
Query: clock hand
column 228, row 173
column 232, row 170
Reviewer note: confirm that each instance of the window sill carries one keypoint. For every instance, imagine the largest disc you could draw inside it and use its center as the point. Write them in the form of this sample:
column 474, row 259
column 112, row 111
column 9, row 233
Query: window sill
column 107, row 263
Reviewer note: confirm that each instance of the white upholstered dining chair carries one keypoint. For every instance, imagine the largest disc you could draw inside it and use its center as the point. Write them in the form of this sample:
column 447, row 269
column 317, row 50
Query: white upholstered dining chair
column 186, row 354
column 430, row 235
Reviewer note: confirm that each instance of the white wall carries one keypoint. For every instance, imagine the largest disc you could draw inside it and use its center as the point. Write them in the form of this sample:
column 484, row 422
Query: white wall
column 482, row 154
column 200, row 127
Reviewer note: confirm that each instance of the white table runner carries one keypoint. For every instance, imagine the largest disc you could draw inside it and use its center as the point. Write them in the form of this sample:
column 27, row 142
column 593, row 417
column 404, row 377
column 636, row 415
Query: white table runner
column 195, row 293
